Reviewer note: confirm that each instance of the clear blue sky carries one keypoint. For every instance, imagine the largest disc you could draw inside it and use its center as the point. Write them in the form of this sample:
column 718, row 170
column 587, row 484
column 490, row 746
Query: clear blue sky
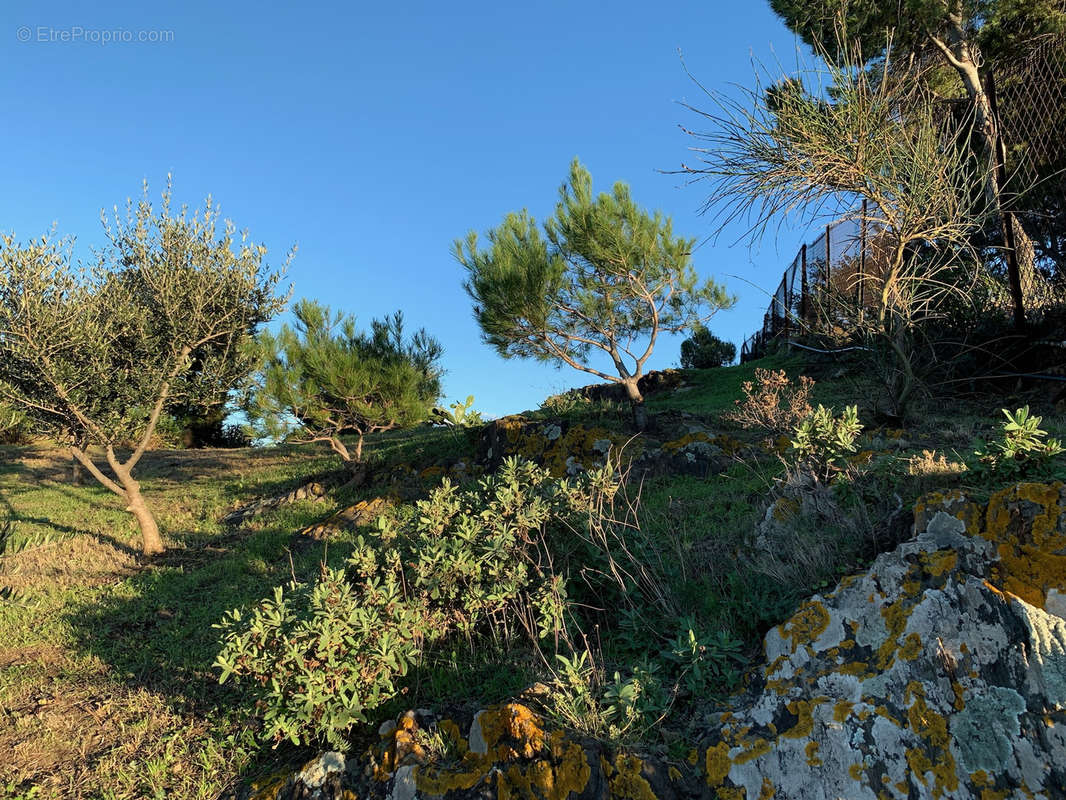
column 374, row 138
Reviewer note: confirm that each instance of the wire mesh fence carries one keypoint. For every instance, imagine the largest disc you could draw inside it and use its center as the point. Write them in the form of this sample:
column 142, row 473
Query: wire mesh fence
column 837, row 275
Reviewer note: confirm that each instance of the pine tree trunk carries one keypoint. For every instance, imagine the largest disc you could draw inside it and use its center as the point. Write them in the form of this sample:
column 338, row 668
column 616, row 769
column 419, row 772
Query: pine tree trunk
column 636, row 400
column 988, row 129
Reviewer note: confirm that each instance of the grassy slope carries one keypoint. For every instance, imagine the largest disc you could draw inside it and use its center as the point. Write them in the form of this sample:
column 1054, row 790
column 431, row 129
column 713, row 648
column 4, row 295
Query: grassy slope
column 105, row 673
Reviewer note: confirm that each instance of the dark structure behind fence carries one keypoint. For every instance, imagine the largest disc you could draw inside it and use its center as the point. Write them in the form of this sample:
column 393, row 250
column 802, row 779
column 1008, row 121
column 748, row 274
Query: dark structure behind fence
column 845, row 260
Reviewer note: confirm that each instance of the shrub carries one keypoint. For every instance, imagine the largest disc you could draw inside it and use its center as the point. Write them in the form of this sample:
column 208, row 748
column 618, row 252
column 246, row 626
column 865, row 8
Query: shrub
column 461, row 415
column 319, row 658
column 823, row 441
column 704, row 350
column 1022, row 450
column 773, row 402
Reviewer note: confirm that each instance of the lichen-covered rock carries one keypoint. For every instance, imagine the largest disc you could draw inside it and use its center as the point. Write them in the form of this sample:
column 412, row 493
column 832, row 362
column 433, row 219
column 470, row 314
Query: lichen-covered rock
column 940, row 673
column 564, row 449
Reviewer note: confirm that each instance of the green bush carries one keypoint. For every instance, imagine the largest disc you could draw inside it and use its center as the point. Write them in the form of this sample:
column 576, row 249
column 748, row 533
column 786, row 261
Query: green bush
column 703, row 350
column 822, row 441
column 1022, row 450
column 320, row 658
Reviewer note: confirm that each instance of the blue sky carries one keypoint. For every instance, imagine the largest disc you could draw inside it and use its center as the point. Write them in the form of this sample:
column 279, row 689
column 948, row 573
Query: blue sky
column 374, row 138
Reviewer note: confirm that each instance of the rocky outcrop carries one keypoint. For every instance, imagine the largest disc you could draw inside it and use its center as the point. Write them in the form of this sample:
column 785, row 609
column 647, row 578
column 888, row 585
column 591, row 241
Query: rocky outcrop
column 938, row 673
column 563, row 448
column 314, row 490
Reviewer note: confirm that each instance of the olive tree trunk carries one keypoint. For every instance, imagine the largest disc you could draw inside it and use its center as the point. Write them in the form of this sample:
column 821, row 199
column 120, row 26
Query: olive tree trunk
column 129, row 490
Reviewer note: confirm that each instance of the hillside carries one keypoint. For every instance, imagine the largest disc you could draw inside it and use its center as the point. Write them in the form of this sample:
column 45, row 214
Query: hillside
column 108, row 682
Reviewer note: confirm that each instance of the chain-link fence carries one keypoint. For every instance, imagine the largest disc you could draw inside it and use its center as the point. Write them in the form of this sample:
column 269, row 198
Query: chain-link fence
column 1026, row 254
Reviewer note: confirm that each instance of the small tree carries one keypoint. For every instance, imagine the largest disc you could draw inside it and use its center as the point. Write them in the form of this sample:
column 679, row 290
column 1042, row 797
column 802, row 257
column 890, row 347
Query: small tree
column 703, row 350
column 324, row 378
column 92, row 355
column 787, row 151
column 605, row 276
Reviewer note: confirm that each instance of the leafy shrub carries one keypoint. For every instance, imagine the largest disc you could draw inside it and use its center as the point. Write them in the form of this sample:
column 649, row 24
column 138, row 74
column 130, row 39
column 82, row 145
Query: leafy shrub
column 823, row 441
column 461, row 415
column 622, row 709
column 1022, row 450
column 319, row 658
column 704, row 350
column 566, row 403
column 773, row 402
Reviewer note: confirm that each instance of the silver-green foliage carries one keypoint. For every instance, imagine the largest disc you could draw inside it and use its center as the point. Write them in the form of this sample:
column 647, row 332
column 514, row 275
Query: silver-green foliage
column 823, row 440
column 321, row 657
column 1023, row 448
column 94, row 353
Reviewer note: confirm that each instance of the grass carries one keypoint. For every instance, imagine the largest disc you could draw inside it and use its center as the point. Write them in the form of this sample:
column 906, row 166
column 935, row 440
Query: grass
column 105, row 661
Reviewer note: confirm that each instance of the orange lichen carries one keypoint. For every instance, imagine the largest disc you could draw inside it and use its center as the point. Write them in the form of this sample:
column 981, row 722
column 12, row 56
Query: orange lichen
column 625, row 780
column 1030, row 541
column 566, row 773
column 511, row 731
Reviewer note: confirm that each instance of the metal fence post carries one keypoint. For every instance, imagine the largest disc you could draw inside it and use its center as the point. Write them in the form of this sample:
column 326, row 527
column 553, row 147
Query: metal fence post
column 803, row 284
column 828, row 274
column 862, row 260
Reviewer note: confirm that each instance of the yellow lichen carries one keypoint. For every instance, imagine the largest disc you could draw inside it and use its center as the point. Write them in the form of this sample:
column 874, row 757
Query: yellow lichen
column 626, row 781
column 806, row 625
column 756, row 747
column 939, row 562
column 767, row 791
column 718, row 764
column 856, row 771
column 842, row 710
column 812, row 754
column 803, row 709
column 1031, row 557
column 912, row 647
column 932, row 728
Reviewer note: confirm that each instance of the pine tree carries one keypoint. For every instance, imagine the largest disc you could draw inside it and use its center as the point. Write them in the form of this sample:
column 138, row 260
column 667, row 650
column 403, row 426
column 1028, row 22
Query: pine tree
column 605, row 276
column 324, row 378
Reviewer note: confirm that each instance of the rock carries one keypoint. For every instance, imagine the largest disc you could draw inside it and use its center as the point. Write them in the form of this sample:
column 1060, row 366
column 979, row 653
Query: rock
column 362, row 513
column 557, row 445
column 654, row 382
column 929, row 676
column 314, row 490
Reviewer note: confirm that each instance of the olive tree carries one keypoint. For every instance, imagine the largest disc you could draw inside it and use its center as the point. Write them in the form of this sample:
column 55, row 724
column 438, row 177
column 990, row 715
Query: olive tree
column 605, row 276
column 323, row 378
column 92, row 354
